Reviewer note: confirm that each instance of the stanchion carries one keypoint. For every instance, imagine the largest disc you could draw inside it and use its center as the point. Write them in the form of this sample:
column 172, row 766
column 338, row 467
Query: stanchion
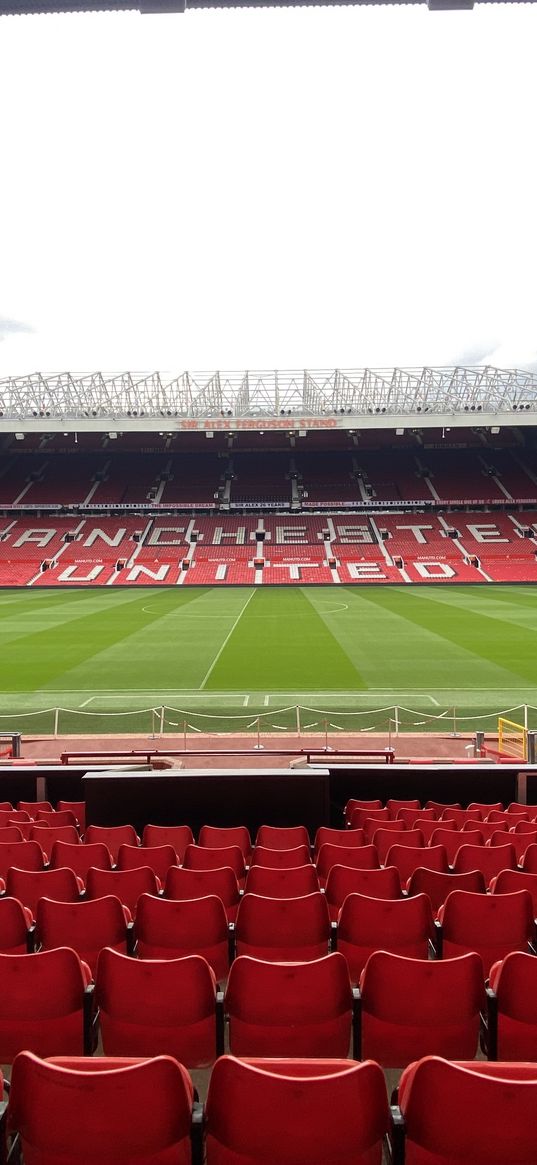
column 258, row 745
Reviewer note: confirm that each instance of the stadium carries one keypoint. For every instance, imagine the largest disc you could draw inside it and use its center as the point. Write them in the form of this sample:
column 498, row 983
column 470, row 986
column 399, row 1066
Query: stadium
column 268, row 722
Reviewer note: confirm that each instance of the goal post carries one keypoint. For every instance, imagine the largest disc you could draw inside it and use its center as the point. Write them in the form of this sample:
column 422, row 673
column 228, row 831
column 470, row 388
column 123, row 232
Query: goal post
column 512, row 739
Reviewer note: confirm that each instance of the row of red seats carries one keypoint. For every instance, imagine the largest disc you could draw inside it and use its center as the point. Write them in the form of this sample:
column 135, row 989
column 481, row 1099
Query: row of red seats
column 276, row 929
column 264, row 1111
column 403, row 1008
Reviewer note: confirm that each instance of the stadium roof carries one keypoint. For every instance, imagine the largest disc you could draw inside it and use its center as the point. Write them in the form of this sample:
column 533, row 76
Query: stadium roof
column 305, row 400
column 30, row 7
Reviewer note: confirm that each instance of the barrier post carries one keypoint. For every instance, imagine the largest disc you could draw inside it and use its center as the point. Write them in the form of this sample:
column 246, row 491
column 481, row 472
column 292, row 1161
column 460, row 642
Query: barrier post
column 532, row 750
column 396, row 720
column 258, row 745
column 298, row 720
column 56, row 719
column 161, row 726
column 184, row 735
column 526, row 717
column 454, row 733
column 479, row 742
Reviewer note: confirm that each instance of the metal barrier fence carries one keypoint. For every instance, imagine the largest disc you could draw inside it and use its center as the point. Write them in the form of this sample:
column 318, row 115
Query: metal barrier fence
column 296, row 719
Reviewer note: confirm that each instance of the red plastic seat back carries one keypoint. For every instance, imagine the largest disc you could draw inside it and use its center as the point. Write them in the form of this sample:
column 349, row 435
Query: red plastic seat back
column 159, row 858
column 177, row 835
column 33, row 807
column 31, row 885
column 461, row 816
column 403, row 926
column 452, row 839
column 182, row 885
column 509, row 881
column 215, row 836
column 438, row 885
column 359, row 816
column 293, row 883
column 395, row 806
column 200, row 857
column 77, row 808
column 56, row 817
column 414, row 1007
column 281, row 859
column 26, row 855
column 14, row 923
column 385, row 839
column 42, row 1003
column 283, row 1009
column 372, row 826
column 514, row 981
column 86, row 926
column 343, row 880
column 345, row 837
column 489, row 859
column 409, row 858
column 468, row 1112
column 282, row 837
column 283, row 929
column 10, row 833
column 363, row 858
column 249, row 1104
column 491, row 924
column 46, row 835
column 157, row 1007
column 413, row 817
column 355, row 803
column 169, row 929
column 529, row 863
column 79, row 858
column 483, row 808
column 82, row 1110
column 127, row 885
column 112, row 836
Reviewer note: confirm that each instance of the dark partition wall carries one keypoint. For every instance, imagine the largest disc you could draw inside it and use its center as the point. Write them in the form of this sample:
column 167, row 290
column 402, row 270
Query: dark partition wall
column 250, row 797
column 463, row 783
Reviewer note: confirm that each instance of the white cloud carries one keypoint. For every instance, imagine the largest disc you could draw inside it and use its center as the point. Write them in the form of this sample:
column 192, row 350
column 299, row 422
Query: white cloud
column 270, row 188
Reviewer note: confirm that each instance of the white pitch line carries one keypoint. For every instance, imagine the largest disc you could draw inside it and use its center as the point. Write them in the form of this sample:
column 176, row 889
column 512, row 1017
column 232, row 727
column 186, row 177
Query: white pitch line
column 246, row 701
column 83, row 705
column 266, row 701
column 226, row 640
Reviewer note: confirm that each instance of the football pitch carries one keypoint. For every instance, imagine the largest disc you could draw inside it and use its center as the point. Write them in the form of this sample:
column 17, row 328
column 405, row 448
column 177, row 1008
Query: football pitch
column 222, row 659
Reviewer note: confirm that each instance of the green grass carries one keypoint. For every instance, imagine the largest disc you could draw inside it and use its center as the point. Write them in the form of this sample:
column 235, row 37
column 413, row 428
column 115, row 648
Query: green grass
column 218, row 657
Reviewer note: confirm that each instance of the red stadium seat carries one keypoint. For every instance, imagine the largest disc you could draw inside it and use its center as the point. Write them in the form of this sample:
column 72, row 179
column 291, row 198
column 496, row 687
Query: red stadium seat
column 256, row 1107
column 509, row 881
column 16, row 928
column 46, row 835
column 289, row 1009
column 80, row 1110
column 491, row 924
column 280, row 859
column 183, row 885
column 25, row 855
column 200, row 857
column 479, row 1113
column 346, row 837
column 372, row 826
column 177, row 835
column 489, row 859
column 395, row 806
column 56, row 817
column 438, row 885
column 439, row 806
column 386, row 839
column 167, row 929
column 80, row 858
column 484, row 808
column 362, row 858
column 32, row 807
column 31, row 885
column 412, row 1008
column 86, row 926
column 42, row 1004
column 292, row 883
column 360, row 815
column 157, row 1007
column 461, row 816
column 280, row 837
column 453, row 839
column 355, row 803
column 112, row 836
column 215, row 836
column 283, row 929
column 343, row 880
column 512, row 1026
column 127, row 885
column 406, row 859
column 413, row 817
column 11, row 833
column 429, row 828
column 404, row 926
column 487, row 829
column 77, row 808
column 159, row 858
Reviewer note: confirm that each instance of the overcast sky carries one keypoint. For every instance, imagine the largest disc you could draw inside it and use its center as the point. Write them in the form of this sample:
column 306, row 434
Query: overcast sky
column 268, row 189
